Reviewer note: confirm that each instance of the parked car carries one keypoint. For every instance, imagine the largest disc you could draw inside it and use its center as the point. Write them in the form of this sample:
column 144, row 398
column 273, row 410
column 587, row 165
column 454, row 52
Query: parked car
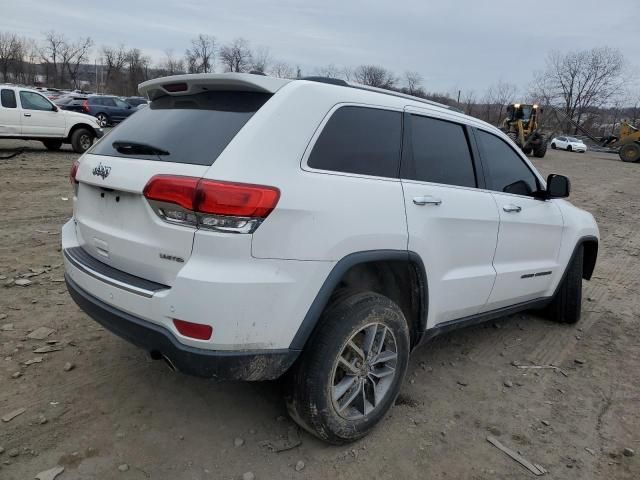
column 107, row 109
column 73, row 102
column 28, row 115
column 569, row 143
column 136, row 101
column 247, row 226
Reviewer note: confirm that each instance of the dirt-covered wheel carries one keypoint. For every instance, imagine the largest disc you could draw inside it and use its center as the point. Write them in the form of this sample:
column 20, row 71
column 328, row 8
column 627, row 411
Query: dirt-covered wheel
column 52, row 144
column 630, row 152
column 540, row 149
column 351, row 370
column 567, row 304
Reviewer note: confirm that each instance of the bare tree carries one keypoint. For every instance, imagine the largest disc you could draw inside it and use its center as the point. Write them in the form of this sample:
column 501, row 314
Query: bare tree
column 51, row 55
column 114, row 60
column 73, row 55
column 469, row 101
column 579, row 81
column 329, row 71
column 171, row 65
column 496, row 99
column 137, row 67
column 200, row 57
column 236, row 56
column 374, row 76
column 282, row 70
column 10, row 53
column 260, row 59
column 412, row 82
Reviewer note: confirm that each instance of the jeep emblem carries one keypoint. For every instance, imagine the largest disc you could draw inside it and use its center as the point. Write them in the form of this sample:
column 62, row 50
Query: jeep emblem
column 102, row 171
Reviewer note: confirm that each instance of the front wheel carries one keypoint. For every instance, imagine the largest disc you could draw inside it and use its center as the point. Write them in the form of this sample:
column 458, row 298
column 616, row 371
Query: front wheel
column 569, row 148
column 566, row 306
column 350, row 372
column 553, row 146
column 630, row 152
column 81, row 140
column 540, row 150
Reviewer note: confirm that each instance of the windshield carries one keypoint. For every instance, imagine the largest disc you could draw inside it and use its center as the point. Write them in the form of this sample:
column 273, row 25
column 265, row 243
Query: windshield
column 186, row 129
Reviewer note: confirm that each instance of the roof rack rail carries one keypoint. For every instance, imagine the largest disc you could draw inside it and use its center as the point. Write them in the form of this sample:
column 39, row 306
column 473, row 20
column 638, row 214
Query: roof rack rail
column 329, row 80
column 343, row 83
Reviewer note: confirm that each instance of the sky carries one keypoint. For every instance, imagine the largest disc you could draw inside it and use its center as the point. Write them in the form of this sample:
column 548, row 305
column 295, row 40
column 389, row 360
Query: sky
column 461, row 44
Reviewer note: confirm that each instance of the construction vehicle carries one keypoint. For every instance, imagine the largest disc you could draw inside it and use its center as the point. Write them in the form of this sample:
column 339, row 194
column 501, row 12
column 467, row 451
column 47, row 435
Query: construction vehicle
column 522, row 126
column 628, row 142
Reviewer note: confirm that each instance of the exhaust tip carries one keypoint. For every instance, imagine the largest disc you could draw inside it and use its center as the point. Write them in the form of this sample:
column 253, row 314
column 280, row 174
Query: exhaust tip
column 157, row 355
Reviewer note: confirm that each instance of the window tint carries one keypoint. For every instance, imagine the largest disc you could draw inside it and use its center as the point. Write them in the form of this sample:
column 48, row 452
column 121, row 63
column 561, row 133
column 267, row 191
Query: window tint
column 506, row 170
column 190, row 129
column 440, row 153
column 121, row 103
column 360, row 140
column 34, row 101
column 8, row 98
column 108, row 102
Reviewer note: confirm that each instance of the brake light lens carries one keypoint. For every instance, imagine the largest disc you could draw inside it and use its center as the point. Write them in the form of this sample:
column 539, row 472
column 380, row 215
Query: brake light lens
column 73, row 172
column 193, row 330
column 210, row 204
column 85, row 106
column 176, row 87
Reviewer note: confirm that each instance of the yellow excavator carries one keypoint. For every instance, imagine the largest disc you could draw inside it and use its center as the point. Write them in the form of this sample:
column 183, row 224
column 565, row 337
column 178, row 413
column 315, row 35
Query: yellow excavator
column 522, row 125
column 628, row 142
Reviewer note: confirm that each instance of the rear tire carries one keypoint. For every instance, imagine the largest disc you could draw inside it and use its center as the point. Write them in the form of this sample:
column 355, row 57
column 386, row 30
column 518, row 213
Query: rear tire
column 52, row 144
column 553, row 146
column 339, row 392
column 630, row 152
column 567, row 304
column 81, row 140
column 540, row 150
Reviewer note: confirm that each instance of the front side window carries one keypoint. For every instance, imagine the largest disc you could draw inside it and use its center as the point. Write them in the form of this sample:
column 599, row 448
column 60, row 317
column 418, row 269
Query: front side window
column 108, row 102
column 8, row 98
column 360, row 140
column 507, row 172
column 440, row 153
column 121, row 103
column 34, row 101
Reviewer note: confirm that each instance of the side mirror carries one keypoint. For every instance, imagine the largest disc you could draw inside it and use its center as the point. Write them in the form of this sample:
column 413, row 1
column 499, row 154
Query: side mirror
column 558, row 186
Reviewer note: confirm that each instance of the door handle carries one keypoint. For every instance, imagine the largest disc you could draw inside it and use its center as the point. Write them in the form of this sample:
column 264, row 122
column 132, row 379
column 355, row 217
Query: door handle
column 512, row 208
column 426, row 200
column 27, row 114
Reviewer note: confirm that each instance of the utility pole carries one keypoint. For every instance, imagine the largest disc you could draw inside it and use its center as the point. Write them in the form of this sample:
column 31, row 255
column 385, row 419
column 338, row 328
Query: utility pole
column 459, row 96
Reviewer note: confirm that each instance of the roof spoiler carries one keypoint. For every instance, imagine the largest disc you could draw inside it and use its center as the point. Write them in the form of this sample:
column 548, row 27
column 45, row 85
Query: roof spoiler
column 201, row 82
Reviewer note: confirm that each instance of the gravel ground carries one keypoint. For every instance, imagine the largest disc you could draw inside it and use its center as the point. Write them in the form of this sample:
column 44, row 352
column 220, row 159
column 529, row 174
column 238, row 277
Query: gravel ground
column 101, row 409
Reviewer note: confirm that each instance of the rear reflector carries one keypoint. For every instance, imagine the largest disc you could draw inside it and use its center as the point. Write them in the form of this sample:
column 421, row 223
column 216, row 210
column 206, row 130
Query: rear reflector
column 193, row 330
column 222, row 206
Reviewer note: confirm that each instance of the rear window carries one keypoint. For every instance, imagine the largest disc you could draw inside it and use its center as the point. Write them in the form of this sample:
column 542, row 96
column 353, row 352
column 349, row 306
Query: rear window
column 183, row 129
column 361, row 140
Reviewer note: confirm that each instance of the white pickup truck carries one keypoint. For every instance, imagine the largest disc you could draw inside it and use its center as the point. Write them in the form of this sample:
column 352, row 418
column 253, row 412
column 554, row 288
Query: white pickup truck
column 27, row 115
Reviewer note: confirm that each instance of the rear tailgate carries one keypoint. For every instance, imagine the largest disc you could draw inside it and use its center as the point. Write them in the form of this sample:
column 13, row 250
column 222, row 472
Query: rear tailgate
column 176, row 135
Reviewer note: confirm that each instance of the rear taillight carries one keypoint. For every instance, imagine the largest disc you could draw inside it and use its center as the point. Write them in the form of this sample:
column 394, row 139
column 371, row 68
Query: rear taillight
column 221, row 206
column 85, row 106
column 73, row 173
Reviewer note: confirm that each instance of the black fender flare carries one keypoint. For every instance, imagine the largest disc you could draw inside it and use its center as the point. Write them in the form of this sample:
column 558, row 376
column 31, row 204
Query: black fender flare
column 337, row 273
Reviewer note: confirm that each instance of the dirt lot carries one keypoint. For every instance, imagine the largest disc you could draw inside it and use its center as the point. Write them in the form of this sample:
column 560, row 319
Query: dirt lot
column 117, row 407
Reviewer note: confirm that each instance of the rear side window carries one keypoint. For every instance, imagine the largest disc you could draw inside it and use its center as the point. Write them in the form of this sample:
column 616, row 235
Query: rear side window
column 360, row 140
column 8, row 98
column 183, row 129
column 507, row 171
column 440, row 153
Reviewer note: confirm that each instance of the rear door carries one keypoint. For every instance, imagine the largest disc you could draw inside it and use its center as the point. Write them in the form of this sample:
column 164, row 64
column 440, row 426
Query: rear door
column 180, row 136
column 9, row 115
column 453, row 224
column 40, row 118
column 123, row 109
column 526, row 257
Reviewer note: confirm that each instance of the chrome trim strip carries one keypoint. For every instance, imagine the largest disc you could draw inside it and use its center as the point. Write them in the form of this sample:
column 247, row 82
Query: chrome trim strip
column 110, row 281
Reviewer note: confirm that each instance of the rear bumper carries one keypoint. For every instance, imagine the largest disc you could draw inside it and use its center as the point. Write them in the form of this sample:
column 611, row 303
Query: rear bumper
column 221, row 365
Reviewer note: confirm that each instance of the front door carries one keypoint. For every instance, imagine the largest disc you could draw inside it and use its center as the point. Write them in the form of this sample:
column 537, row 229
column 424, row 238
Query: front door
column 526, row 258
column 40, row 118
column 453, row 225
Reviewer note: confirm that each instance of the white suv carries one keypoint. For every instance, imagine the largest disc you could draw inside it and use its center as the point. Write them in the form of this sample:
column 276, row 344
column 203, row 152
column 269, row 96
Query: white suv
column 26, row 114
column 243, row 226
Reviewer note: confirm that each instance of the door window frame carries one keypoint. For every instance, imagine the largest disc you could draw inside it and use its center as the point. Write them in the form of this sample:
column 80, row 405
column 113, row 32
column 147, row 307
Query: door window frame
column 15, row 98
column 487, row 170
column 52, row 109
column 407, row 159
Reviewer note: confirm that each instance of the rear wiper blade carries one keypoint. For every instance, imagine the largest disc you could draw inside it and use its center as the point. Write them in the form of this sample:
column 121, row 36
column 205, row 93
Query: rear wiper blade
column 132, row 148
